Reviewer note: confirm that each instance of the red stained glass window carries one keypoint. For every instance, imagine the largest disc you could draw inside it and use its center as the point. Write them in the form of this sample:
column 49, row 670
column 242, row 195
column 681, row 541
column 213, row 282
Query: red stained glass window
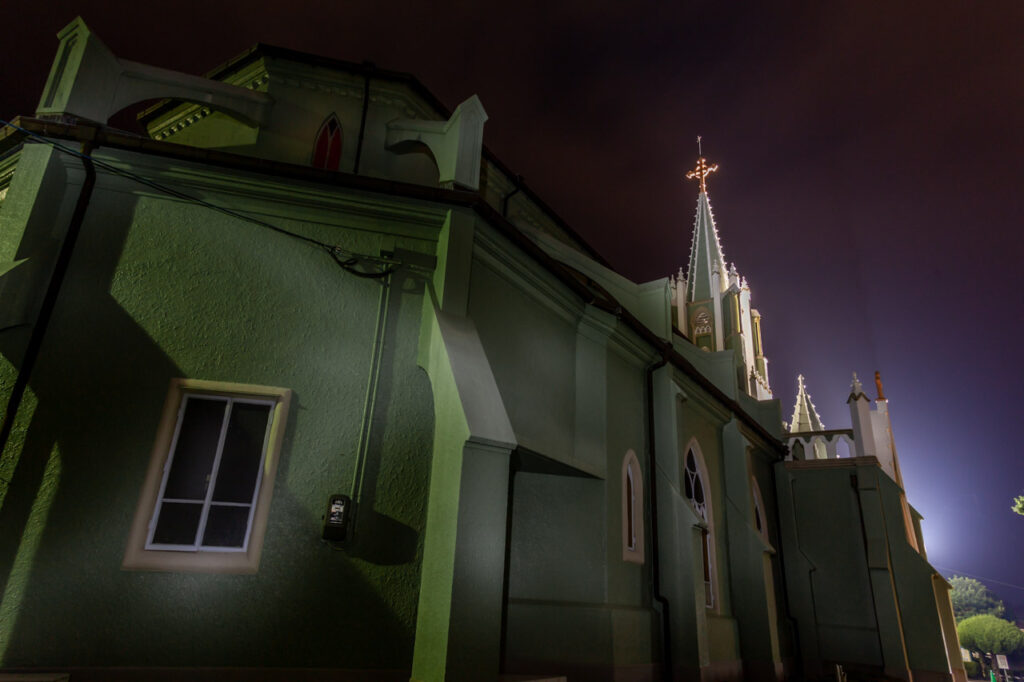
column 327, row 148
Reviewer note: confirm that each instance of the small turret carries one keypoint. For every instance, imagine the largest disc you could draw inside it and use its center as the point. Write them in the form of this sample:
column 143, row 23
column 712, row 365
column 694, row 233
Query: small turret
column 805, row 414
column 805, row 418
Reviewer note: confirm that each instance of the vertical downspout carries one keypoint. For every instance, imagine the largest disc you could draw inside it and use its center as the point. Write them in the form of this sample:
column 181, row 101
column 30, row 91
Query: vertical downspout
column 780, row 550
column 513, row 467
column 666, row 643
column 60, row 269
column 362, row 120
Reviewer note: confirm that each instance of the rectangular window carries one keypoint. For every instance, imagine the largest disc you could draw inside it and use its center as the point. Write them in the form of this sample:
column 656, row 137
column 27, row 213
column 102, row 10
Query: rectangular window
column 212, row 475
column 205, row 502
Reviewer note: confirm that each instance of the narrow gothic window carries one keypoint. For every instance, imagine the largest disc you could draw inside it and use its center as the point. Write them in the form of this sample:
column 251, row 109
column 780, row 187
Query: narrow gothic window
column 327, row 148
column 632, row 510
column 693, row 485
column 760, row 522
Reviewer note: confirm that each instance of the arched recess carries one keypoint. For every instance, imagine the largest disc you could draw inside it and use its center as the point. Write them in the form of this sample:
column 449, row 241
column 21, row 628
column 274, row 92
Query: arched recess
column 697, row 489
column 632, row 509
column 797, row 450
column 844, row 448
column 327, row 145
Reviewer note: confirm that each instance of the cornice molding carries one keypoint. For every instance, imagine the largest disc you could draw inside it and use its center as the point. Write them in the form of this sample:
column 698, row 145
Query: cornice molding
column 282, row 199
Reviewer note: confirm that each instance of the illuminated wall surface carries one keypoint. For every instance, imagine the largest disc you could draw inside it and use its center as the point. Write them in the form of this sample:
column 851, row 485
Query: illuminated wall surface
column 477, row 402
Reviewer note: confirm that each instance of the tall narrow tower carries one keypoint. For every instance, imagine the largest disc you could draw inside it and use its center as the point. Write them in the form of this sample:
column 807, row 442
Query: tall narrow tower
column 706, row 276
column 712, row 301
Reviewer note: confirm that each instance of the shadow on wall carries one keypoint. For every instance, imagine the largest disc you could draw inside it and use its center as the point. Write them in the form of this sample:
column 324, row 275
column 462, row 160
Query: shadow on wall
column 100, row 383
column 379, row 538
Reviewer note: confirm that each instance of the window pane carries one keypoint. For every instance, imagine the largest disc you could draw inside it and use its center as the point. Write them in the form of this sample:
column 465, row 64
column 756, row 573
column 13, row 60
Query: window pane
column 192, row 460
column 177, row 523
column 226, row 526
column 243, row 451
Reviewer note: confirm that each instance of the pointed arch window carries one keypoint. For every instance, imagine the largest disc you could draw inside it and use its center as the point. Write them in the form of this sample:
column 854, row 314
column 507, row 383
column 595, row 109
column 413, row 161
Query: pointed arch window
column 632, row 509
column 695, row 488
column 760, row 520
column 327, row 147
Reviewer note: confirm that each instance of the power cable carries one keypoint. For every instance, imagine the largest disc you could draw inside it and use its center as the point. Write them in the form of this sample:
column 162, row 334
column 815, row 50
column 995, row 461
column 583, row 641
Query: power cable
column 979, row 577
column 347, row 260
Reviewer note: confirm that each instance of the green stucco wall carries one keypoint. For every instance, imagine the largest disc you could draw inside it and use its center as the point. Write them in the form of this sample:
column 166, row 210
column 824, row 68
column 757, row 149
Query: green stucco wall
column 159, row 289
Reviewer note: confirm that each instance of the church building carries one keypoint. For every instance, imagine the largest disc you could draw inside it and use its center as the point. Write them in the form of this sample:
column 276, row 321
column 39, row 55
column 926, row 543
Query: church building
column 306, row 384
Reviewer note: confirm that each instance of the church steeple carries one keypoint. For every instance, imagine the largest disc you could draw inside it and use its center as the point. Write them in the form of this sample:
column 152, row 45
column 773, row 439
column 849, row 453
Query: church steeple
column 706, row 276
column 707, row 262
column 711, row 303
column 805, row 415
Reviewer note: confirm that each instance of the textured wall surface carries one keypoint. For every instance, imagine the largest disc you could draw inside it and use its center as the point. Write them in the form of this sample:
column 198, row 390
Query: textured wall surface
column 160, row 289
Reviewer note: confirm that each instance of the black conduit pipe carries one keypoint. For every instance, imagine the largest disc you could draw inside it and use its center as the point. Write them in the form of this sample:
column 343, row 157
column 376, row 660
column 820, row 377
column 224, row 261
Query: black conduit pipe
column 370, row 66
column 666, row 640
column 60, row 269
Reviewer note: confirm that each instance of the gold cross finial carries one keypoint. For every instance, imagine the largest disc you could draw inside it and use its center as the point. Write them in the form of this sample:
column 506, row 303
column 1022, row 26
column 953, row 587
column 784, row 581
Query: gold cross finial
column 702, row 171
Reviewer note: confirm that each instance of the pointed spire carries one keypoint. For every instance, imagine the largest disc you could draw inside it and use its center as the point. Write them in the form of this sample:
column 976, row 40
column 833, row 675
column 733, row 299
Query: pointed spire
column 805, row 414
column 706, row 257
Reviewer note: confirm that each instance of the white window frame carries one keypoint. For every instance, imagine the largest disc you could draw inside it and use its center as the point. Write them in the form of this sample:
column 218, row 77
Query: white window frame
column 706, row 525
column 142, row 553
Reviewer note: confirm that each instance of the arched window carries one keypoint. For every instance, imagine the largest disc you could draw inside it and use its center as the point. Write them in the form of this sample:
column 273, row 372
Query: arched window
column 695, row 488
column 632, row 509
column 327, row 147
column 760, row 521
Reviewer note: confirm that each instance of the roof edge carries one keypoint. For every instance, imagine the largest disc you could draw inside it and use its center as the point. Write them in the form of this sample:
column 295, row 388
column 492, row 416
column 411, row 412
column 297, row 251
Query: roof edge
column 100, row 136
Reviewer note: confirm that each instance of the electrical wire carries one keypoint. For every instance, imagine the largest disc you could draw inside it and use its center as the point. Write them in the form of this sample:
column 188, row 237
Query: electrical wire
column 979, row 577
column 347, row 260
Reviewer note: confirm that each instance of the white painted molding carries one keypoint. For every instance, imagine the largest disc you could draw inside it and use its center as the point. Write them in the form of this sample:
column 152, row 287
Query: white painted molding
column 87, row 81
column 456, row 144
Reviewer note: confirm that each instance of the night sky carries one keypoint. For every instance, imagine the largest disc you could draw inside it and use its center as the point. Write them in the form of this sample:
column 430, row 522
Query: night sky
column 870, row 189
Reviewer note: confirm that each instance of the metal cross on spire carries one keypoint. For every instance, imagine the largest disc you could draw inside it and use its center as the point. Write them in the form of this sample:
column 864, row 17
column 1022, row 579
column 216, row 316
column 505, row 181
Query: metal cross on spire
column 702, row 170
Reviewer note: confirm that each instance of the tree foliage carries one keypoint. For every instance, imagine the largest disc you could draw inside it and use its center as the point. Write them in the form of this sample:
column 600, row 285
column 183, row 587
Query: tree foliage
column 971, row 598
column 988, row 634
column 1018, row 504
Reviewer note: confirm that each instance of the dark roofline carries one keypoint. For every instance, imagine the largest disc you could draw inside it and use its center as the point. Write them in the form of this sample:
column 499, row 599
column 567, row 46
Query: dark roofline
column 106, row 137
column 369, row 70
